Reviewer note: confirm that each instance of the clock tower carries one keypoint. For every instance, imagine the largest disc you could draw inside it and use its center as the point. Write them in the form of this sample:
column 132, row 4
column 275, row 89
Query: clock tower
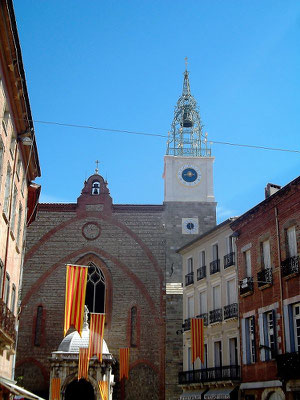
column 189, row 211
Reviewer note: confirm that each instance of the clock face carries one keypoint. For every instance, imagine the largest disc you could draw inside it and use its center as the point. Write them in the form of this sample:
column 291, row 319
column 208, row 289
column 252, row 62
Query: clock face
column 190, row 225
column 189, row 175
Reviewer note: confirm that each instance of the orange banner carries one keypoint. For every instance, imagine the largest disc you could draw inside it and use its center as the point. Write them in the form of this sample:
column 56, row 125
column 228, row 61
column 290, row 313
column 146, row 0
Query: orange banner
column 197, row 339
column 55, row 389
column 83, row 363
column 124, row 363
column 103, row 388
column 75, row 297
column 96, row 335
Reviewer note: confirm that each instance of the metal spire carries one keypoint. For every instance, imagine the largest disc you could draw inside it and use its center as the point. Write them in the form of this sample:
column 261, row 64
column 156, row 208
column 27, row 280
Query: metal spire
column 186, row 137
column 97, row 167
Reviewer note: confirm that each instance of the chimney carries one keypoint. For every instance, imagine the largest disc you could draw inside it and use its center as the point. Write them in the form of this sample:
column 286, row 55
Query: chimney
column 270, row 189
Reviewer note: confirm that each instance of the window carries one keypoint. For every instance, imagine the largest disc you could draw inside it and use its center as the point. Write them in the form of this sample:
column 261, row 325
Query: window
column 231, row 292
column 233, row 351
column 216, row 297
column 6, row 289
column 190, row 306
column 19, row 224
column 291, row 242
column 38, row 326
column 13, row 299
column 249, row 348
column 267, row 333
column 95, row 188
column 202, row 259
column 229, row 244
column 7, row 190
column 189, row 359
column 247, row 262
column 190, row 265
column 133, row 327
column 95, row 290
column 215, row 252
column 13, row 209
column 266, row 255
column 296, row 315
column 218, row 354
column 202, row 302
column 204, row 364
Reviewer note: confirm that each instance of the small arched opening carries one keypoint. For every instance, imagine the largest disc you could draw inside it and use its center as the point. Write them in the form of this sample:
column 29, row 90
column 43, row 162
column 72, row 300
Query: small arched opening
column 78, row 390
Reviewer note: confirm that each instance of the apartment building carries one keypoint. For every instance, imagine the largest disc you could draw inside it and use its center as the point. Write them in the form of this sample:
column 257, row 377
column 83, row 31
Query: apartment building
column 267, row 246
column 210, row 292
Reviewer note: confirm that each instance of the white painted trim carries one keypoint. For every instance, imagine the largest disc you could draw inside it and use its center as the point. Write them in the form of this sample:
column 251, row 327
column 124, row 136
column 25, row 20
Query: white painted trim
column 268, row 308
column 249, row 314
column 291, row 300
column 258, row 385
column 246, row 247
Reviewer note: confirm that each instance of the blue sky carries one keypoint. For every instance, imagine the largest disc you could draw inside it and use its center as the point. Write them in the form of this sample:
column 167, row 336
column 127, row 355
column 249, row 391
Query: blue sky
column 119, row 64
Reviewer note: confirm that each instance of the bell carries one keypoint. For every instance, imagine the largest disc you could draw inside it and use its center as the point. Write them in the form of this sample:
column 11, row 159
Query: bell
column 187, row 121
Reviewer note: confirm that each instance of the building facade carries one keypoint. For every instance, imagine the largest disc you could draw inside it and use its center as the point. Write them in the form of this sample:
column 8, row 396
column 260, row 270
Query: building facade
column 267, row 245
column 19, row 166
column 134, row 271
column 210, row 293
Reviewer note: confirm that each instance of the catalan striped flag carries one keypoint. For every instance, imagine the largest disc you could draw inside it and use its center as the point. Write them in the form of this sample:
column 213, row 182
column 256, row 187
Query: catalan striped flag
column 55, row 389
column 124, row 363
column 103, row 389
column 83, row 364
column 75, row 297
column 96, row 335
column 197, row 339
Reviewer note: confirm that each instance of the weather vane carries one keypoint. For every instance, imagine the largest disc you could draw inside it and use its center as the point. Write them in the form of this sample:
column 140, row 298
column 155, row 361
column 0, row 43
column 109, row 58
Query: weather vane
column 97, row 165
column 186, row 63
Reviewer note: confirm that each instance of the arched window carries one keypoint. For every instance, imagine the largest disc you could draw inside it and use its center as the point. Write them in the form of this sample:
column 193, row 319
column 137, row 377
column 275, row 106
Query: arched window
column 133, row 327
column 95, row 290
column 96, row 188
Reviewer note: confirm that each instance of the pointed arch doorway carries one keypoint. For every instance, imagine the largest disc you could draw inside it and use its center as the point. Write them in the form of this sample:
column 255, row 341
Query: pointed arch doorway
column 78, row 390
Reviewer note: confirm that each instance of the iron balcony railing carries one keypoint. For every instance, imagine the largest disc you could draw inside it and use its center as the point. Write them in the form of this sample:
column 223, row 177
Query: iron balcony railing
column 204, row 317
column 246, row 285
column 186, row 326
column 264, row 277
column 201, row 272
column 214, row 266
column 231, row 311
column 229, row 260
column 230, row 372
column 288, row 365
column 189, row 278
column 215, row 315
column 290, row 266
column 7, row 323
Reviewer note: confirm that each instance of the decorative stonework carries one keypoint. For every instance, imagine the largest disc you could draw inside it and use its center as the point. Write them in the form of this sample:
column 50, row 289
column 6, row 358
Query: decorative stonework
column 91, row 230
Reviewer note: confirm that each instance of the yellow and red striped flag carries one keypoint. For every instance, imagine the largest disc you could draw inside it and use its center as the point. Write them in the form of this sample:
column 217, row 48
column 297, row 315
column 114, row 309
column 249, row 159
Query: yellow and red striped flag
column 75, row 297
column 83, row 363
column 103, row 388
column 96, row 335
column 197, row 339
column 124, row 363
column 55, row 389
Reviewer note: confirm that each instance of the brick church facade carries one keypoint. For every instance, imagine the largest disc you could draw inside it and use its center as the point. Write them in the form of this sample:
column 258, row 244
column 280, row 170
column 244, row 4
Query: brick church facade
column 135, row 273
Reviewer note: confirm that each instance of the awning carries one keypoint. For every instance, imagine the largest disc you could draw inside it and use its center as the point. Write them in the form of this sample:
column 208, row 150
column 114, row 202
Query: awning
column 192, row 395
column 218, row 394
column 15, row 389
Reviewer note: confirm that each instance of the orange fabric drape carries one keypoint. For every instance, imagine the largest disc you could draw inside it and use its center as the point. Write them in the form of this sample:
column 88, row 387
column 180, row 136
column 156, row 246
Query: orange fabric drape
column 75, row 297
column 124, row 363
column 197, row 339
column 83, row 363
column 55, row 389
column 103, row 388
column 96, row 335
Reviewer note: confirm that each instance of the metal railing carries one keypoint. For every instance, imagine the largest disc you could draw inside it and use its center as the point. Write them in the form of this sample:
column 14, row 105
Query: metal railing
column 215, row 315
column 264, row 277
column 290, row 266
column 229, row 259
column 230, row 372
column 204, row 317
column 231, row 311
column 246, row 285
column 186, row 326
column 214, row 266
column 7, row 321
column 189, row 278
column 201, row 272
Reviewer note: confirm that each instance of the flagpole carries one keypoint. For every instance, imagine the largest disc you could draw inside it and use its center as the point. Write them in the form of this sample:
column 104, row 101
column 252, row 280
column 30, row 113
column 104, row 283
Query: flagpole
column 75, row 265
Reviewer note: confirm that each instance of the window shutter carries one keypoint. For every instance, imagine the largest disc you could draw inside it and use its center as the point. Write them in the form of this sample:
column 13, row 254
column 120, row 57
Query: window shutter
column 291, row 325
column 261, row 337
column 266, row 337
column 287, row 329
column 254, row 336
column 248, row 355
column 244, row 341
column 275, row 333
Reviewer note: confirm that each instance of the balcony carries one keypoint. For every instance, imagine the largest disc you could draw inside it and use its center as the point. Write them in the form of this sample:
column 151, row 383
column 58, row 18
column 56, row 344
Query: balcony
column 231, row 311
column 186, row 326
column 229, row 260
column 288, row 365
column 189, row 279
column 201, row 273
column 227, row 373
column 290, row 266
column 265, row 277
column 215, row 316
column 204, row 317
column 7, row 327
column 246, row 286
column 214, row 266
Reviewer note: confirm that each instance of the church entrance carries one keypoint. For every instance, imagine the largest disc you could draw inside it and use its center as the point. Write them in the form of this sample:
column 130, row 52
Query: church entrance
column 78, row 390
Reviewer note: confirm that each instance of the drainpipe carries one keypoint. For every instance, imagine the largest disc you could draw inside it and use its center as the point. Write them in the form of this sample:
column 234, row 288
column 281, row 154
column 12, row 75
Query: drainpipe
column 280, row 278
